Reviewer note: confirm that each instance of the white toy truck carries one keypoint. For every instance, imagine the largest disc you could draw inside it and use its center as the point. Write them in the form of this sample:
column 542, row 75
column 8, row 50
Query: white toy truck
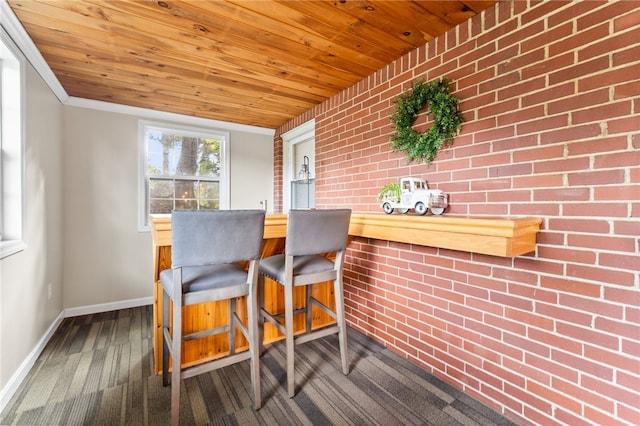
column 412, row 193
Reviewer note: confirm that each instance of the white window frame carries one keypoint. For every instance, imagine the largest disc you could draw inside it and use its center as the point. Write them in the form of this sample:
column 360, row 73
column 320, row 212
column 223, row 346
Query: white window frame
column 300, row 134
column 12, row 148
column 143, row 201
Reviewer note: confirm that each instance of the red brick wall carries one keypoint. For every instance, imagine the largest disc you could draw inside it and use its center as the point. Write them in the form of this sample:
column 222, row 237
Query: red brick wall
column 550, row 92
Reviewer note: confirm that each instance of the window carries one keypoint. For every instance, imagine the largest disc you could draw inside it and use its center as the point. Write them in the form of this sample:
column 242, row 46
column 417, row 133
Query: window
column 181, row 168
column 11, row 147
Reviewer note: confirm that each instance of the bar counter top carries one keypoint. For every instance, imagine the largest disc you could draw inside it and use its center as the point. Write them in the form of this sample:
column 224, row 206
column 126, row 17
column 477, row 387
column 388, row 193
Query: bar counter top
column 493, row 236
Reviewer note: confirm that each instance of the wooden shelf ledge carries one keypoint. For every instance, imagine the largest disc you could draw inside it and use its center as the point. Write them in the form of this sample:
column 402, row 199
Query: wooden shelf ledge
column 492, row 236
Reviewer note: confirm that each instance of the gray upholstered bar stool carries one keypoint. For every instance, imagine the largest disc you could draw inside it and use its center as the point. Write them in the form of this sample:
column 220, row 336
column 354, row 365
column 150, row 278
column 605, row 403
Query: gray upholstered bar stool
column 206, row 248
column 310, row 235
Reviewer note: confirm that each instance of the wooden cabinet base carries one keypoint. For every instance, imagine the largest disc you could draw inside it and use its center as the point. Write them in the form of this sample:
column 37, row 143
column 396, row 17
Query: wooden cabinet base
column 214, row 314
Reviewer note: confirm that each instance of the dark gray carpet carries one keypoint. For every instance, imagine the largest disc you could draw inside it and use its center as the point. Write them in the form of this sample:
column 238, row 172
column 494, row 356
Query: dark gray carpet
column 98, row 370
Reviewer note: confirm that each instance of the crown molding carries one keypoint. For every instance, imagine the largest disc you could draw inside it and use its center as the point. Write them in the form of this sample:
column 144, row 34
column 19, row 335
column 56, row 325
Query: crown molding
column 19, row 35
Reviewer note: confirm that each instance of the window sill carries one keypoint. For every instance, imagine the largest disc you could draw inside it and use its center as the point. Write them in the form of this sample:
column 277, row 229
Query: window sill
column 10, row 247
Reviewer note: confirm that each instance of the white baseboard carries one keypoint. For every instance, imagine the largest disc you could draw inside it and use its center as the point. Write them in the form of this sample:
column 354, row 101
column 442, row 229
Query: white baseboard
column 106, row 307
column 7, row 392
column 14, row 382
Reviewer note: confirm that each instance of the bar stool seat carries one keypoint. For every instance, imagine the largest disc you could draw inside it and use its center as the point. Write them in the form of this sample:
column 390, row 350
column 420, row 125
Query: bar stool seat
column 302, row 265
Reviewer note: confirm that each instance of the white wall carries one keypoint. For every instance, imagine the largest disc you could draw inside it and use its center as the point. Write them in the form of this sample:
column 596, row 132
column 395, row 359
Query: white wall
column 26, row 311
column 106, row 260
column 251, row 170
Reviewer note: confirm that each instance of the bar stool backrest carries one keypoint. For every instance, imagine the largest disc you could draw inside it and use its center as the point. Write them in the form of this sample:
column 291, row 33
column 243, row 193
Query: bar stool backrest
column 213, row 237
column 317, row 231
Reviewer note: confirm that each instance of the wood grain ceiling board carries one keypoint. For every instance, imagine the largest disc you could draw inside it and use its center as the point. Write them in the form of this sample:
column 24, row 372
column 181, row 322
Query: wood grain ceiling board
column 258, row 63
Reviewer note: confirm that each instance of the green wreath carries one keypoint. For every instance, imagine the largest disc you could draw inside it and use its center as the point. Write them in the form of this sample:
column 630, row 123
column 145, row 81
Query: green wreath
column 446, row 120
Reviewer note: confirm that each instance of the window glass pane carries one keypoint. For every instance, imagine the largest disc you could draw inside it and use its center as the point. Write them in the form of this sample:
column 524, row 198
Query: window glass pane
column 209, row 160
column 182, row 169
column 209, row 195
column 11, row 147
column 161, row 188
column 186, row 189
column 161, row 206
column 186, row 205
column 161, row 195
column 174, row 155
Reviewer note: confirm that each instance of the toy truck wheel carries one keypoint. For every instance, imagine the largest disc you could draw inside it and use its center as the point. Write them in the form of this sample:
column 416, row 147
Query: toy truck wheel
column 421, row 208
column 387, row 208
column 437, row 210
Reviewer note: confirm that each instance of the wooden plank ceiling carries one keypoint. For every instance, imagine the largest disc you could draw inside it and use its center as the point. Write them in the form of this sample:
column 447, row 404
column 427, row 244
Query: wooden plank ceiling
column 258, row 63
